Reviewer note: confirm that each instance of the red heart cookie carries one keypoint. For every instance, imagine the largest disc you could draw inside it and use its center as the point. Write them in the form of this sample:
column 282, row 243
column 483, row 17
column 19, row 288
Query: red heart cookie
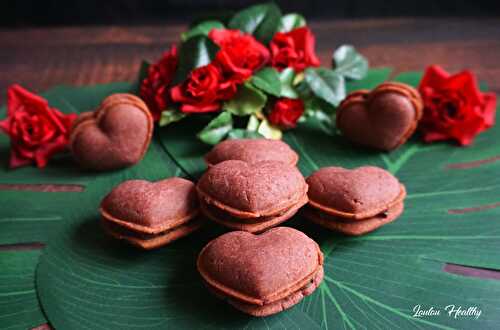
column 252, row 190
column 151, row 214
column 262, row 274
column 355, row 194
column 251, row 196
column 251, row 151
column 383, row 118
column 116, row 135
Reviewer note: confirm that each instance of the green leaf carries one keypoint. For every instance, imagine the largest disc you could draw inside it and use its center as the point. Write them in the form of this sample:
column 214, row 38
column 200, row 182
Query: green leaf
column 194, row 53
column 253, row 123
column 248, row 100
column 217, row 128
column 349, row 63
column 240, row 133
column 261, row 20
column 86, row 280
column 202, row 29
column 171, row 116
column 267, row 80
column 19, row 307
column 269, row 131
column 291, row 22
column 287, row 77
column 326, row 84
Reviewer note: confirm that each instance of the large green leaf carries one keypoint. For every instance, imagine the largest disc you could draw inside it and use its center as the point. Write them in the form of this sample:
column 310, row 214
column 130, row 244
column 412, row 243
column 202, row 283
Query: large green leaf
column 261, row 20
column 19, row 308
column 88, row 281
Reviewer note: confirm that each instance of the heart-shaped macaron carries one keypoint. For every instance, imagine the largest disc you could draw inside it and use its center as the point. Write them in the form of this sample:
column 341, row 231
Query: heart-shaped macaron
column 383, row 118
column 262, row 274
column 355, row 194
column 116, row 135
column 251, row 151
column 151, row 214
column 251, row 190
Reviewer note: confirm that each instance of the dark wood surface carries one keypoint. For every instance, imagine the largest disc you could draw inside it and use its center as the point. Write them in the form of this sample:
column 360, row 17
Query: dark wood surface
column 41, row 58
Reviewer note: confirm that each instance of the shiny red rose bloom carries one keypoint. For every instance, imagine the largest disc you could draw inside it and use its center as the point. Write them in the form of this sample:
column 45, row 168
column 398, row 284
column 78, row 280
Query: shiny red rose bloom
column 200, row 92
column 286, row 112
column 294, row 49
column 454, row 107
column 240, row 55
column 154, row 88
column 36, row 130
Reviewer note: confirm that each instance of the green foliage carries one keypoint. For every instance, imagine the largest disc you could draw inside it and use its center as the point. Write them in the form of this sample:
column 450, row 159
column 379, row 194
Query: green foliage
column 19, row 307
column 287, row 77
column 261, row 20
column 217, row 128
column 201, row 29
column 326, row 84
column 349, row 63
column 268, row 81
column 194, row 53
column 248, row 100
column 171, row 116
column 291, row 22
column 240, row 133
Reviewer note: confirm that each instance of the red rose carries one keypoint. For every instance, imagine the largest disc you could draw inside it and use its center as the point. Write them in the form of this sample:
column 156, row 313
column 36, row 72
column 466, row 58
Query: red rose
column 224, row 37
column 154, row 88
column 286, row 112
column 239, row 57
column 200, row 91
column 454, row 108
column 294, row 49
column 36, row 130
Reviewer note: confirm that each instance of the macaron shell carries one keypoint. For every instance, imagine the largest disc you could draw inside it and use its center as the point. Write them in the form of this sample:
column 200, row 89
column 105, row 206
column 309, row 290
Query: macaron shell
column 356, row 194
column 160, row 240
column 252, row 190
column 279, row 305
column 251, row 225
column 151, row 207
column 354, row 228
column 383, row 118
column 116, row 135
column 252, row 151
column 260, row 269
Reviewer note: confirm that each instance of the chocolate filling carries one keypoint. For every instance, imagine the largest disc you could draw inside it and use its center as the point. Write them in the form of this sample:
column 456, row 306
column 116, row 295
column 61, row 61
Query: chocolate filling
column 325, row 216
column 225, row 216
column 126, row 232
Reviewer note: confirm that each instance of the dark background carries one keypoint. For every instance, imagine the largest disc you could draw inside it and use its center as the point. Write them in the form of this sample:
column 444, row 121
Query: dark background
column 22, row 13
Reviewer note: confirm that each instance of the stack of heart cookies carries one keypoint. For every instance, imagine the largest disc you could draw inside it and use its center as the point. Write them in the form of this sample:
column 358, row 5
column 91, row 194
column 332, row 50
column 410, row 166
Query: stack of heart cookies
column 250, row 186
column 354, row 202
column 251, row 196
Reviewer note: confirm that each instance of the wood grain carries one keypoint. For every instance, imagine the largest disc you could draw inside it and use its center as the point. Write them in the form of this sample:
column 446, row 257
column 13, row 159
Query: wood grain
column 41, row 58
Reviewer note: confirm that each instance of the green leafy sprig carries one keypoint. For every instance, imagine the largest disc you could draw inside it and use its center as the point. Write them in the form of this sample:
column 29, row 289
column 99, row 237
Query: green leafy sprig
column 321, row 89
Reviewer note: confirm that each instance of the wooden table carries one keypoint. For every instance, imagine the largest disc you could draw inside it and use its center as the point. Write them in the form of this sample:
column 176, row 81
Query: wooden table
column 39, row 58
